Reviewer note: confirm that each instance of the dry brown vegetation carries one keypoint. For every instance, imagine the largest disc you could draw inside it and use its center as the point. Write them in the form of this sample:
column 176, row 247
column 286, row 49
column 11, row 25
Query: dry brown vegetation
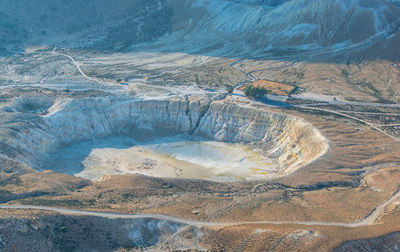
column 356, row 175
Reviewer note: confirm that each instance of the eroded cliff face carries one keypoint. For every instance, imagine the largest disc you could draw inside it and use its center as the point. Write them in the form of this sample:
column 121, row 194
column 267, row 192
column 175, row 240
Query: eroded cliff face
column 290, row 141
column 74, row 120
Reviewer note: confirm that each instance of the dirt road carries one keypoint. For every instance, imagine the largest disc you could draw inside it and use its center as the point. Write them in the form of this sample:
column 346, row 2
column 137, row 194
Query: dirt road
column 368, row 220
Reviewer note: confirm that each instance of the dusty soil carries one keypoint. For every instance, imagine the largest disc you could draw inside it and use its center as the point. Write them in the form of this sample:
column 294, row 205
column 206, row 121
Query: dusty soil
column 357, row 173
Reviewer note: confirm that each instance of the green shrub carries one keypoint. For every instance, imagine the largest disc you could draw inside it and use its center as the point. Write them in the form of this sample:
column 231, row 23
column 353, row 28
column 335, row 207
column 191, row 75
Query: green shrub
column 256, row 92
column 229, row 89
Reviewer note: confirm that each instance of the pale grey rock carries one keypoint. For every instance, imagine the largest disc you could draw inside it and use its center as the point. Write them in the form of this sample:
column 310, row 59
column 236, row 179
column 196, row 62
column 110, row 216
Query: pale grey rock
column 291, row 141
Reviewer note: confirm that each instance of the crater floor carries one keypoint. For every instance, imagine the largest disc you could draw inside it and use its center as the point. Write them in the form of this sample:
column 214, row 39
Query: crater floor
column 163, row 157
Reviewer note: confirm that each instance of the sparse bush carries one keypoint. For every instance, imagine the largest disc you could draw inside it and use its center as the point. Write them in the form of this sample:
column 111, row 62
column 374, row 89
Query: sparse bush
column 229, row 89
column 256, row 92
column 197, row 80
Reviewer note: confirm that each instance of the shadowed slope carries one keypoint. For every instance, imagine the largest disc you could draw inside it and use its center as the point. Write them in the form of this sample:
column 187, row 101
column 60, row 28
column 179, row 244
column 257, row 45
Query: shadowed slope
column 220, row 28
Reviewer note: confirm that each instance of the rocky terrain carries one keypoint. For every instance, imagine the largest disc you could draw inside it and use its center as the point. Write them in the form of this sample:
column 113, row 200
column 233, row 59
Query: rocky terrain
column 387, row 243
column 60, row 122
column 206, row 27
column 49, row 232
column 100, row 85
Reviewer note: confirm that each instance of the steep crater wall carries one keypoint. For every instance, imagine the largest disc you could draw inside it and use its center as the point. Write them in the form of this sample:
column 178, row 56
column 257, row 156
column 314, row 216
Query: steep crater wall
column 291, row 142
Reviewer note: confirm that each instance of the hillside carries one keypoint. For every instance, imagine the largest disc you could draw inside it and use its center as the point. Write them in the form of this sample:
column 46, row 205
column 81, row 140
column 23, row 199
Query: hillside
column 199, row 125
column 219, row 28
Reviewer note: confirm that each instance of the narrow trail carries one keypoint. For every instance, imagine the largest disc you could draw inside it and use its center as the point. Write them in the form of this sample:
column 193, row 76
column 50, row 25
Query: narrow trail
column 388, row 125
column 108, row 83
column 338, row 112
column 353, row 118
column 76, row 64
column 332, row 100
column 368, row 113
column 368, row 220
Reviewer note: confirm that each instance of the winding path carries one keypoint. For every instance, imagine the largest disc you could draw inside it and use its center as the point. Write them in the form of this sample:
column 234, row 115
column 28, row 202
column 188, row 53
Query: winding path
column 76, row 64
column 368, row 220
column 354, row 118
column 333, row 100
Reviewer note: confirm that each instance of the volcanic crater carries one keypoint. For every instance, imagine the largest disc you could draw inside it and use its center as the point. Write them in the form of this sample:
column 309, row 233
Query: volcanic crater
column 194, row 137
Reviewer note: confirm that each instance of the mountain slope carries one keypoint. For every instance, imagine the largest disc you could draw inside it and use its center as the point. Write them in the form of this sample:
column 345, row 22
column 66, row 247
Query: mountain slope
column 219, row 27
